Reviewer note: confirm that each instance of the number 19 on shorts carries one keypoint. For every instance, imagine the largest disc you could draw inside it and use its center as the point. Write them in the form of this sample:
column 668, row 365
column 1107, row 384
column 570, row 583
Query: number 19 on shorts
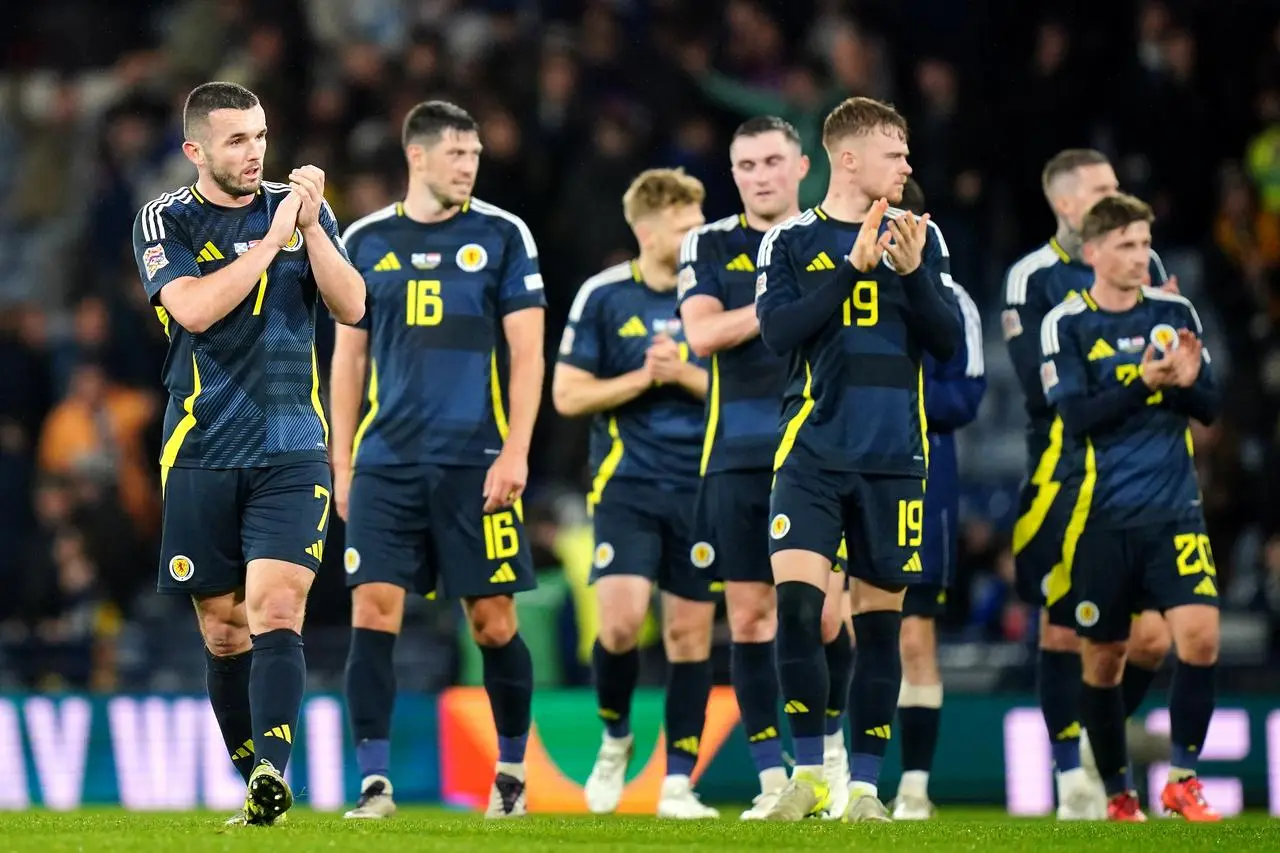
column 910, row 523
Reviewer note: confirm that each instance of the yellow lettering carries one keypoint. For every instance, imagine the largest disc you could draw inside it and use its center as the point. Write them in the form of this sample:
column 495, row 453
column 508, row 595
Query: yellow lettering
column 910, row 523
column 262, row 291
column 322, row 494
column 1195, row 554
column 862, row 308
column 423, row 304
column 501, row 540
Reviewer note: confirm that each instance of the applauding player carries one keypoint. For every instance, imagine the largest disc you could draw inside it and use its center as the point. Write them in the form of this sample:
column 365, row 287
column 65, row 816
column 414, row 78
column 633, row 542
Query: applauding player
column 430, row 481
column 625, row 360
column 717, row 304
column 854, row 293
column 1073, row 181
column 1124, row 366
column 232, row 265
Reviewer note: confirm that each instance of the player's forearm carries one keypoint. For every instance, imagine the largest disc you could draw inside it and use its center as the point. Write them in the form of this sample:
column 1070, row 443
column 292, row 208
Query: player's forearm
column 933, row 318
column 1083, row 416
column 525, row 392
column 196, row 303
column 1200, row 401
column 721, row 331
column 576, row 395
column 341, row 286
column 694, row 379
column 784, row 326
column 346, row 382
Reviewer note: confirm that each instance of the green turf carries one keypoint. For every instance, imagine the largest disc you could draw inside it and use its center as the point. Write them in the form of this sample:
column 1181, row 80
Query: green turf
column 424, row 830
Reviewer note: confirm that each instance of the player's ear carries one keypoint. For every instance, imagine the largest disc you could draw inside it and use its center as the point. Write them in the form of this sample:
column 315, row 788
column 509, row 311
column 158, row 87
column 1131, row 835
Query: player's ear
column 804, row 166
column 1089, row 252
column 193, row 152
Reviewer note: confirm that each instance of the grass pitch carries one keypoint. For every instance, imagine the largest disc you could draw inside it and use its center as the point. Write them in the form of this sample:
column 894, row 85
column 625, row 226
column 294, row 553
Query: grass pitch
column 421, row 830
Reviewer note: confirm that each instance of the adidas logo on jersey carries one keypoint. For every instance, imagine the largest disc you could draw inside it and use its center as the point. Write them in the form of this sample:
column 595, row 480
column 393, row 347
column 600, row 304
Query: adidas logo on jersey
column 316, row 549
column 209, row 253
column 913, row 565
column 504, row 574
column 882, row 732
column 389, row 263
column 1101, row 349
column 742, row 263
column 633, row 328
column 822, row 262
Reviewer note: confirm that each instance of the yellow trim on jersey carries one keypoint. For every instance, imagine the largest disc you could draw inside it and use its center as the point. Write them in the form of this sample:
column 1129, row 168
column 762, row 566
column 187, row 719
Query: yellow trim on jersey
column 1060, row 575
column 1191, row 444
column 169, row 454
column 742, row 220
column 821, row 214
column 924, row 419
column 1058, row 250
column 369, row 415
column 195, row 192
column 163, row 315
column 495, row 393
column 315, row 395
column 608, row 466
column 635, row 271
column 713, row 414
column 793, row 426
column 1088, row 300
column 466, row 205
column 1029, row 523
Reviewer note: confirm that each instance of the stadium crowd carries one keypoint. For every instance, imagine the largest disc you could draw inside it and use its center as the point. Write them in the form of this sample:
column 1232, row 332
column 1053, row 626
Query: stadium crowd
column 574, row 98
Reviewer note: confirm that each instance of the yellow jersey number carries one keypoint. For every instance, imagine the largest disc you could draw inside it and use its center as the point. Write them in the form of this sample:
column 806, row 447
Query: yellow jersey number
column 501, row 540
column 862, row 308
column 423, row 304
column 1195, row 555
column 910, row 523
column 1127, row 373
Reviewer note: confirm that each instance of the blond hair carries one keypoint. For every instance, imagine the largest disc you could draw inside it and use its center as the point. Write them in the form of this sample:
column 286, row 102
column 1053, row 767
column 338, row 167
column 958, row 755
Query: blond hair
column 1068, row 162
column 655, row 190
column 859, row 117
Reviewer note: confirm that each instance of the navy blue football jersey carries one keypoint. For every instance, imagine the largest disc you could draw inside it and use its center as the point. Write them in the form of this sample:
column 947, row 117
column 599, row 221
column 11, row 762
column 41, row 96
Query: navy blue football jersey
column 438, row 361
column 855, row 394
column 744, row 392
column 1036, row 283
column 657, row 437
column 245, row 393
column 1140, row 470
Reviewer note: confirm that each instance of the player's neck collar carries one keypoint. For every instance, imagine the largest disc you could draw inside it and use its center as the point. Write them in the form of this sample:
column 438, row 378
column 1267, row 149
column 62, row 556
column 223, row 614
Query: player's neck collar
column 1067, row 245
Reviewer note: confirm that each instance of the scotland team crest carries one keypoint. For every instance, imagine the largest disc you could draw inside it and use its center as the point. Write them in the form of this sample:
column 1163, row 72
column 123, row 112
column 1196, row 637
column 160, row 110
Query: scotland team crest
column 1164, row 337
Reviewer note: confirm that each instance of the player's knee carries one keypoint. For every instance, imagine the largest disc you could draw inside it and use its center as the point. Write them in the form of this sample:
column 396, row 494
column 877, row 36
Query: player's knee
column 1149, row 641
column 223, row 625
column 917, row 643
column 1056, row 638
column 1198, row 644
column 493, row 620
column 377, row 607
column 833, row 616
column 686, row 633
column 1102, row 664
column 752, row 618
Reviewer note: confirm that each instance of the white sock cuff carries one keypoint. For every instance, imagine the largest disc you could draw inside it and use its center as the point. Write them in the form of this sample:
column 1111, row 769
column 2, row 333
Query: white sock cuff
column 919, row 695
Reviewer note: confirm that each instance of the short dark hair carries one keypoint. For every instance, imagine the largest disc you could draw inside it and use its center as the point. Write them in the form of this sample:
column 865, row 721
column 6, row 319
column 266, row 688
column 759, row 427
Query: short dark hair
column 760, row 125
column 913, row 197
column 430, row 119
column 217, row 95
column 1066, row 162
column 1112, row 213
column 860, row 116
